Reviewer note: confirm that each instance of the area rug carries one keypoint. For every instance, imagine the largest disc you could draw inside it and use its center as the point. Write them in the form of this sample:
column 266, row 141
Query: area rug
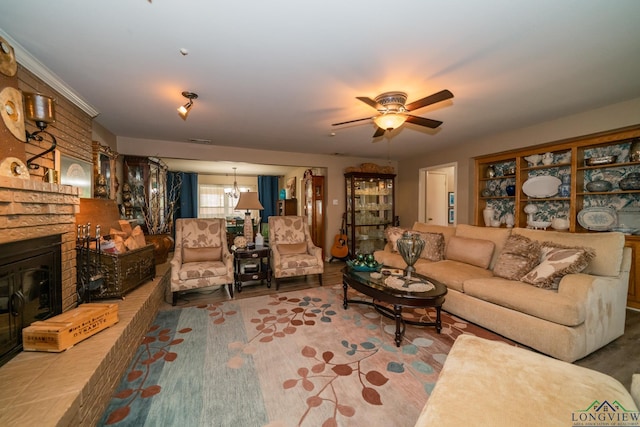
column 286, row 359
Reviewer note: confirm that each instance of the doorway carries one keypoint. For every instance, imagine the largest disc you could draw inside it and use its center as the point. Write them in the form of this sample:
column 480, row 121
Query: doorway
column 437, row 195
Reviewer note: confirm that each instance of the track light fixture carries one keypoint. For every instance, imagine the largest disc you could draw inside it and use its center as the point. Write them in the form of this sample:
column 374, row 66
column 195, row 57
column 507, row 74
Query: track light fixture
column 183, row 110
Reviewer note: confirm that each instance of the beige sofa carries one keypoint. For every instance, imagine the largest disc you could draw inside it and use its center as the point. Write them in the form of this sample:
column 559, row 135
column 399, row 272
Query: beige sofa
column 584, row 313
column 490, row 383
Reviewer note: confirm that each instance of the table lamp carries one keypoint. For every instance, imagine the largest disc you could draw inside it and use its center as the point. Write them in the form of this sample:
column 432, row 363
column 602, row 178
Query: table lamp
column 249, row 200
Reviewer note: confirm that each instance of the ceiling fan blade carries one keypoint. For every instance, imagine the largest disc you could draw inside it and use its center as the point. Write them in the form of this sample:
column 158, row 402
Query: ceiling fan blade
column 351, row 121
column 423, row 122
column 431, row 99
column 379, row 132
column 370, row 102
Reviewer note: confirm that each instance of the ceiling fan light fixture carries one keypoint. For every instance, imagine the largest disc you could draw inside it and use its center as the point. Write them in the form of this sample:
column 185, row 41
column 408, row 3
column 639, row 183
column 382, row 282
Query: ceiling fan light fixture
column 390, row 121
column 183, row 110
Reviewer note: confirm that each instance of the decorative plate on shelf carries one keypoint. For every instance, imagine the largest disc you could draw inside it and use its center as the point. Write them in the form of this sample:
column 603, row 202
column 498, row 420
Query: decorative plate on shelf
column 597, row 218
column 541, row 186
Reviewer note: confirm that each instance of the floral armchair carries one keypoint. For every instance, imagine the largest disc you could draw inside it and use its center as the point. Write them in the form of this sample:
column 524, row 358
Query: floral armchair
column 201, row 257
column 292, row 250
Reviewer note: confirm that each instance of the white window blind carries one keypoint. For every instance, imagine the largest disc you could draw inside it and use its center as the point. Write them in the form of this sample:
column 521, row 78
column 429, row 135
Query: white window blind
column 215, row 203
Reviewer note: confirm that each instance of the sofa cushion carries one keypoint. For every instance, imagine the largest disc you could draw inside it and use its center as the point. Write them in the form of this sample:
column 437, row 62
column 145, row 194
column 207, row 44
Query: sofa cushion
column 292, row 248
column 522, row 297
column 557, row 261
column 202, row 270
column 519, row 255
column 433, row 246
column 497, row 235
column 489, row 383
column 393, row 234
column 201, row 254
column 446, row 231
column 608, row 247
column 476, row 252
column 452, row 274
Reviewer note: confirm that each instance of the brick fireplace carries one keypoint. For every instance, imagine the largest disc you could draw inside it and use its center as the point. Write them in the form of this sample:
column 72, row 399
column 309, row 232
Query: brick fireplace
column 32, row 209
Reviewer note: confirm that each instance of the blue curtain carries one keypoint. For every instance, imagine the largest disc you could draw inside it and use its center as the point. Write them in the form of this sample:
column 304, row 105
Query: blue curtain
column 188, row 198
column 268, row 196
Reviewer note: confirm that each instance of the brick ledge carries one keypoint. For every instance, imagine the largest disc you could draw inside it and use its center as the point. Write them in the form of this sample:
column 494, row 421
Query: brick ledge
column 74, row 387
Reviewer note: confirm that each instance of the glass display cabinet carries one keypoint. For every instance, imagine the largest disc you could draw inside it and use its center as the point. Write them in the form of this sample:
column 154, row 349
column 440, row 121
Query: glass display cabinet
column 144, row 191
column 370, row 205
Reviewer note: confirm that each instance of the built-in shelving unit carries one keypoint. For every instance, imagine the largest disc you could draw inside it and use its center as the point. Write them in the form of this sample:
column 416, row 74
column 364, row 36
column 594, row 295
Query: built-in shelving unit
column 567, row 157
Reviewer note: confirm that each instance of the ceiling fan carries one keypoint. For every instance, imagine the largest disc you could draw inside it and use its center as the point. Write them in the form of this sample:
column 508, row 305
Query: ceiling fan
column 393, row 110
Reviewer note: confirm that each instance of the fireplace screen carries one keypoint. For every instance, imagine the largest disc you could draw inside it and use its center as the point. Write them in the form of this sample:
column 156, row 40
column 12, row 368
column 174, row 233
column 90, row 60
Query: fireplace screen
column 30, row 288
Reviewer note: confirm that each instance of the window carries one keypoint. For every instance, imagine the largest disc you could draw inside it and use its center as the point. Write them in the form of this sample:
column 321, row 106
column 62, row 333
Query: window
column 215, row 203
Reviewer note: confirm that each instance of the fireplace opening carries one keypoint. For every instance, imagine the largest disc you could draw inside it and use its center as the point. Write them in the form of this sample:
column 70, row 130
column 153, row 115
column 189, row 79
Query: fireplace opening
column 30, row 288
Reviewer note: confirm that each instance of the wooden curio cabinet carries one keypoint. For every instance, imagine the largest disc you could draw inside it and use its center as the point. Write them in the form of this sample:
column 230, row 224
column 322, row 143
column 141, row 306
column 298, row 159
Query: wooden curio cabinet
column 144, row 191
column 288, row 207
column 313, row 206
column 370, row 204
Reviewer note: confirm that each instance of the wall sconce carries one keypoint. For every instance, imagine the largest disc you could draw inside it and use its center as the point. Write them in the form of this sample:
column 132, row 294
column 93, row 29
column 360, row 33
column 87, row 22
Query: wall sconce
column 183, row 110
column 39, row 109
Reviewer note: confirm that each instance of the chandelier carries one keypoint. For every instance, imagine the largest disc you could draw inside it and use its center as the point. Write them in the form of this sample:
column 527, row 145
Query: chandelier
column 233, row 192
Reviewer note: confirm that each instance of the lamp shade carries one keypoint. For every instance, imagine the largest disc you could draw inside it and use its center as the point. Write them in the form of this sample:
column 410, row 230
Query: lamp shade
column 390, row 120
column 249, row 201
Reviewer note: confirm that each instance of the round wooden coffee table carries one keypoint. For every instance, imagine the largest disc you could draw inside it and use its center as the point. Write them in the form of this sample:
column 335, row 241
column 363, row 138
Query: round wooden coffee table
column 379, row 291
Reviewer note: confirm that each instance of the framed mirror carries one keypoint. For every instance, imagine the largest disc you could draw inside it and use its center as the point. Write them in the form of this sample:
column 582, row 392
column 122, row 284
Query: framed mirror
column 104, row 171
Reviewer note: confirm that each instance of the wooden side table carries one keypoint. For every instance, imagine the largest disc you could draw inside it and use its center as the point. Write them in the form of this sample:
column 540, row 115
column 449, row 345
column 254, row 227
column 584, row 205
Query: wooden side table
column 252, row 264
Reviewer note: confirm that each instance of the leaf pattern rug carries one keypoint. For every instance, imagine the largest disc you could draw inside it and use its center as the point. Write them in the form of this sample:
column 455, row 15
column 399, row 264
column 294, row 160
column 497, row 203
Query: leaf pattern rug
column 286, row 359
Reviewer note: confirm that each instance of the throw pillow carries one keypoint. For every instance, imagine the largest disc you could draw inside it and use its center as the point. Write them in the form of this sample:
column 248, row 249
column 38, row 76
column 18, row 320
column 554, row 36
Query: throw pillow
column 558, row 261
column 201, row 254
column 292, row 248
column 433, row 246
column 519, row 255
column 393, row 234
column 476, row 252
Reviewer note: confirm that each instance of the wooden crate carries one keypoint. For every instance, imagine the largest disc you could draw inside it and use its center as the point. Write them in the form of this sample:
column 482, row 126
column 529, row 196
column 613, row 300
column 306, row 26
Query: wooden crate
column 69, row 328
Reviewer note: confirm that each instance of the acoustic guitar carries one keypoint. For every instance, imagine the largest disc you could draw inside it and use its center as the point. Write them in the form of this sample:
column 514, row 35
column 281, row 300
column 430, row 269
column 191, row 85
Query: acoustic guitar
column 339, row 249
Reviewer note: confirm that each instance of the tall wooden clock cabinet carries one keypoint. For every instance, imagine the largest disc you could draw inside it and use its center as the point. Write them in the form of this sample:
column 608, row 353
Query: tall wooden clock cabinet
column 313, row 206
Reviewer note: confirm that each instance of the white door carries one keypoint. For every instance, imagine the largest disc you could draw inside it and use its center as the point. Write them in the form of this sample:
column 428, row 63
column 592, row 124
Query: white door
column 436, row 198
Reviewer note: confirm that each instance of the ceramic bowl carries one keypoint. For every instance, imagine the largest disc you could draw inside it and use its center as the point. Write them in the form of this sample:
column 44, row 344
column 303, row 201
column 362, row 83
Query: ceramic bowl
column 540, row 224
column 599, row 185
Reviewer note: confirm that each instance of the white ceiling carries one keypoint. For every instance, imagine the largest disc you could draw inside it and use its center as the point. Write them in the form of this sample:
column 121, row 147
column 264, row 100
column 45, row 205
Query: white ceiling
column 275, row 75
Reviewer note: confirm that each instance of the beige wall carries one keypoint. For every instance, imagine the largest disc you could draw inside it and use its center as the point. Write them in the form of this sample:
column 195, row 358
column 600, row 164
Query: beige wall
column 334, row 166
column 593, row 121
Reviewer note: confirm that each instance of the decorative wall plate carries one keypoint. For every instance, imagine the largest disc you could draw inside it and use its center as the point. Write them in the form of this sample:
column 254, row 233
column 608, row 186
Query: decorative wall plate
column 14, row 167
column 12, row 112
column 541, row 186
column 8, row 64
column 597, row 218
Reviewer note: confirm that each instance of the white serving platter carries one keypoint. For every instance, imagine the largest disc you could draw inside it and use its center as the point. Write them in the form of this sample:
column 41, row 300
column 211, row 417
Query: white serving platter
column 598, row 218
column 540, row 187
